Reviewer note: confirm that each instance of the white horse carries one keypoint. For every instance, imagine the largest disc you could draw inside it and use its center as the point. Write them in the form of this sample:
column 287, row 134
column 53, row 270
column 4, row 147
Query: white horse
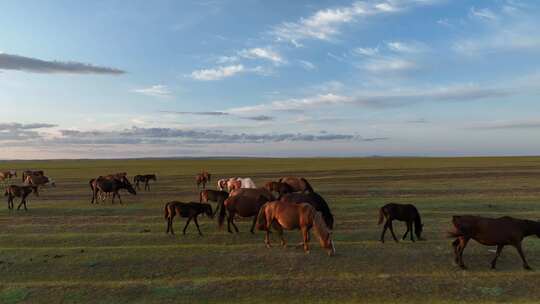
column 247, row 183
column 222, row 184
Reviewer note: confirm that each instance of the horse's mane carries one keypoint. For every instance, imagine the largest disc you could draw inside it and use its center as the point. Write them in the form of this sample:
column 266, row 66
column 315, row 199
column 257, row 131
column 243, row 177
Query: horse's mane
column 323, row 206
column 308, row 185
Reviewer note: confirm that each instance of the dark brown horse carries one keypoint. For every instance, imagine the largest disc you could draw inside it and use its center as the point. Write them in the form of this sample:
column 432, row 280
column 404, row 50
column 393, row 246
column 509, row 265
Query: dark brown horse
column 112, row 185
column 491, row 232
column 186, row 210
column 244, row 206
column 315, row 200
column 202, row 178
column 283, row 215
column 401, row 212
column 146, row 178
column 279, row 187
column 297, row 183
column 19, row 191
column 30, row 173
column 213, row 196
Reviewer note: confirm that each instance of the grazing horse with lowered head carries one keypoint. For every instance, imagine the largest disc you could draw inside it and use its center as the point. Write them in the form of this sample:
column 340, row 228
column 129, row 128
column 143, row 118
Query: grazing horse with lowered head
column 30, row 173
column 290, row 216
column 298, row 184
column 103, row 184
column 146, row 178
column 401, row 212
column 213, row 196
column 186, row 210
column 19, row 191
column 279, row 187
column 315, row 200
column 498, row 232
column 245, row 204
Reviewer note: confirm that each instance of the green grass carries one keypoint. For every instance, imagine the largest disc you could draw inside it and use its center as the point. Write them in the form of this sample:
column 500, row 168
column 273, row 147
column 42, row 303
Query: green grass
column 64, row 250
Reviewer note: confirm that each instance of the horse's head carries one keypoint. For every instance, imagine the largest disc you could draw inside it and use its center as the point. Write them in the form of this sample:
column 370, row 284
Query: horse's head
column 13, row 173
column 153, row 177
column 418, row 230
column 127, row 185
column 269, row 186
column 52, row 182
column 325, row 236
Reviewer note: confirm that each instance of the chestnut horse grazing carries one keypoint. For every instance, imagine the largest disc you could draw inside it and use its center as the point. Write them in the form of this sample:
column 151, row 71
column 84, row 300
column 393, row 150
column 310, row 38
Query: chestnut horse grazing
column 185, row 210
column 202, row 178
column 104, row 184
column 245, row 205
column 19, row 191
column 146, row 178
column 491, row 232
column 280, row 188
column 297, row 183
column 290, row 216
column 315, row 200
column 214, row 196
column 401, row 212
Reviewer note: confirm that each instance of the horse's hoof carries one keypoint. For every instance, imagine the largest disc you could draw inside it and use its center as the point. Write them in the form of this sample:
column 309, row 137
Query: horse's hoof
column 527, row 267
column 463, row 267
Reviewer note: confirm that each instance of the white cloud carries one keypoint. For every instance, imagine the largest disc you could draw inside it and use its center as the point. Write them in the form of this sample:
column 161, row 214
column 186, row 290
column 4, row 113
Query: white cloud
column 366, row 51
column 483, row 14
column 389, row 64
column 404, row 47
column 293, row 104
column 158, row 90
column 227, row 59
column 34, row 65
column 309, row 66
column 262, row 53
column 325, row 24
column 217, row 73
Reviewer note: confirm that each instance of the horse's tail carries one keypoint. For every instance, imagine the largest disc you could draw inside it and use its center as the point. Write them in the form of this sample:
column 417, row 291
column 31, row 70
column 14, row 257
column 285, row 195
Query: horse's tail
column 261, row 218
column 222, row 211
column 307, row 184
column 381, row 216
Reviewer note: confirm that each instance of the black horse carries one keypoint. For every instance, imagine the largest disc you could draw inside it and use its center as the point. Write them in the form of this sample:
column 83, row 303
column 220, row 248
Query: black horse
column 187, row 210
column 146, row 178
column 401, row 212
column 315, row 200
column 110, row 184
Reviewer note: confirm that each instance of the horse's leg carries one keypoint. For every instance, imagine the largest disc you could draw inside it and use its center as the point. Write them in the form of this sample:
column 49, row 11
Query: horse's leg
column 118, row 194
column 197, row 224
column 232, row 222
column 252, row 230
column 462, row 244
column 20, row 204
column 406, row 232
column 520, row 251
column 410, row 228
column 146, row 186
column 391, row 227
column 455, row 244
column 187, row 223
column 494, row 262
column 384, row 231
column 305, row 235
column 229, row 222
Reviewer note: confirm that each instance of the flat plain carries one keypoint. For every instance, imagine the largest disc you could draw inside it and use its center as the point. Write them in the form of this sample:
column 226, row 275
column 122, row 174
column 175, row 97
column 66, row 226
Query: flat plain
column 65, row 250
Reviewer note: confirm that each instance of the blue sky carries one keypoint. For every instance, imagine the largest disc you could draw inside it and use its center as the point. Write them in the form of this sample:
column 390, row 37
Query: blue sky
column 100, row 79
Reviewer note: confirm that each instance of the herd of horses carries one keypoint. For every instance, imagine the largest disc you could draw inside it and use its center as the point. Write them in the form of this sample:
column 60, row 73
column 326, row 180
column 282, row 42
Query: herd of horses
column 290, row 203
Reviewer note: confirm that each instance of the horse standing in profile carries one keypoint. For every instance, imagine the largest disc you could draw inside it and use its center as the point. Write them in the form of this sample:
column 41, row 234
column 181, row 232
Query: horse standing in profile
column 291, row 216
column 31, row 173
column 185, row 210
column 19, row 191
column 109, row 184
column 298, row 184
column 401, row 212
column 491, row 232
column 245, row 204
column 202, row 178
column 146, row 178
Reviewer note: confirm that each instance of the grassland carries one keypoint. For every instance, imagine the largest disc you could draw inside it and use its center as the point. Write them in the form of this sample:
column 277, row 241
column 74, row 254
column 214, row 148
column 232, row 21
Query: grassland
column 64, row 250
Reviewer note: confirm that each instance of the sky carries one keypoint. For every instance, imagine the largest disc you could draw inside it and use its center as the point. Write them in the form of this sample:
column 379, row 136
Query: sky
column 124, row 79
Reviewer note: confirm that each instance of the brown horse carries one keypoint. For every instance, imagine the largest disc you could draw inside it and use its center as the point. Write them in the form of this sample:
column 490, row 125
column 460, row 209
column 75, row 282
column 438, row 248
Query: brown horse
column 289, row 216
column 4, row 175
column 39, row 181
column 245, row 205
column 214, row 196
column 279, row 187
column 234, row 184
column 401, row 212
column 297, row 183
column 19, row 191
column 110, row 185
column 30, row 173
column 146, row 178
column 491, row 232
column 186, row 210
column 202, row 178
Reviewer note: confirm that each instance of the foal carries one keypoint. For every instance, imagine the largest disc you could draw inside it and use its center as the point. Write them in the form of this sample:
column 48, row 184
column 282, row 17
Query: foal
column 187, row 210
column 405, row 213
column 214, row 196
column 19, row 191
column 489, row 231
